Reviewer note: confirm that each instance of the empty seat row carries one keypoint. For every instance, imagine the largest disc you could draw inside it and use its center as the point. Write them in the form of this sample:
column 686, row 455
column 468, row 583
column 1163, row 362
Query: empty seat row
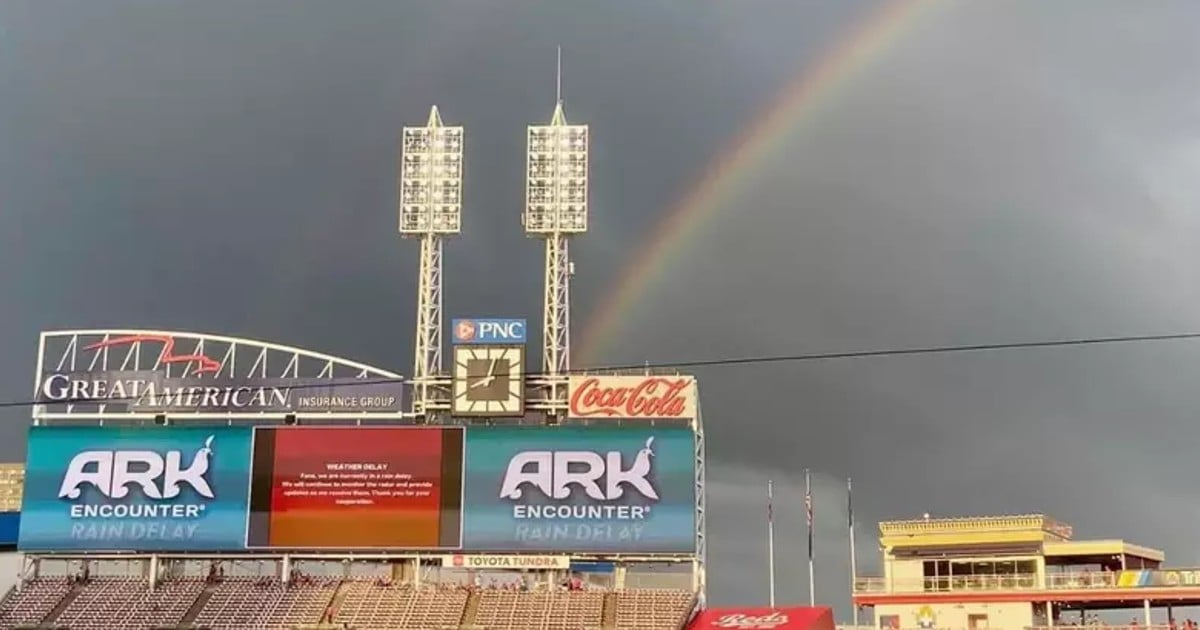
column 653, row 609
column 33, row 601
column 548, row 610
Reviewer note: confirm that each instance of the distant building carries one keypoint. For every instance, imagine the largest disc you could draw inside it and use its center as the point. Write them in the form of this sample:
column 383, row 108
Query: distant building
column 12, row 482
column 1015, row 572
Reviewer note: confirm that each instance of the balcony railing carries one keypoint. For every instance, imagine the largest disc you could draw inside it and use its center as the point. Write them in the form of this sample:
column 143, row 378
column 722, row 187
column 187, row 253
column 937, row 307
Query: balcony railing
column 1081, row 581
column 1065, row 626
column 1129, row 579
column 958, row 583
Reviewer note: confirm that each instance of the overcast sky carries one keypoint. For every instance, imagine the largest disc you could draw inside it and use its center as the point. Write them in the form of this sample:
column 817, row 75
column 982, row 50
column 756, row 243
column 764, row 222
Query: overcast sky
column 1003, row 171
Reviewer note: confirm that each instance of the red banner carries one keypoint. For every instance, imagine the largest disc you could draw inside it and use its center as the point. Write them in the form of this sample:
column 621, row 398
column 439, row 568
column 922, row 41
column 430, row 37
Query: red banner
column 764, row 619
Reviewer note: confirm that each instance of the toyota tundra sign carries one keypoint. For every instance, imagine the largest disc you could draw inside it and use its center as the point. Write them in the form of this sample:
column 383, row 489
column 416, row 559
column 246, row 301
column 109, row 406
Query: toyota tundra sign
column 633, row 397
column 461, row 561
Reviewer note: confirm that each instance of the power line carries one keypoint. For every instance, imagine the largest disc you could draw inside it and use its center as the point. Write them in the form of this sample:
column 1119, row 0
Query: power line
column 748, row 360
column 788, row 358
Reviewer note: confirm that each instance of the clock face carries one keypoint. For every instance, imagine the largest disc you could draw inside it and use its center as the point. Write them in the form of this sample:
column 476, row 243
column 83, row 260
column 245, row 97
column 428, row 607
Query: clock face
column 489, row 380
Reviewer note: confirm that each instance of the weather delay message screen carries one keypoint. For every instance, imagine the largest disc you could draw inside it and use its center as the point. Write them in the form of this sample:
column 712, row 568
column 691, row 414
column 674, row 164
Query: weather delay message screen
column 350, row 488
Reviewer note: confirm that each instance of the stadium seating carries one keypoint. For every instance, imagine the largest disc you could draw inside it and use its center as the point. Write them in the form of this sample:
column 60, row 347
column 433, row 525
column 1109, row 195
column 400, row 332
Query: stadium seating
column 436, row 608
column 35, row 599
column 239, row 603
column 373, row 605
column 300, row 603
column 370, row 605
column 653, row 608
column 166, row 605
column 100, row 602
column 551, row 610
column 106, row 603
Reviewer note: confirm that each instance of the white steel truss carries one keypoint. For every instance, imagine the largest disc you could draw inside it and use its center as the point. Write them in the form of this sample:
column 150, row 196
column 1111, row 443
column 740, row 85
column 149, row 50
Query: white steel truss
column 556, row 314
column 430, row 209
column 556, row 208
column 187, row 354
column 427, row 358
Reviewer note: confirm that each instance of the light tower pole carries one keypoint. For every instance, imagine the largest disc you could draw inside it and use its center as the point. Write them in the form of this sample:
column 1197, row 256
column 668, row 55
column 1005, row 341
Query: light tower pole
column 556, row 193
column 430, row 209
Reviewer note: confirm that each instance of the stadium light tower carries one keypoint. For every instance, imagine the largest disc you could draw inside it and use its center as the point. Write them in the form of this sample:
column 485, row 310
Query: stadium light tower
column 556, row 194
column 430, row 209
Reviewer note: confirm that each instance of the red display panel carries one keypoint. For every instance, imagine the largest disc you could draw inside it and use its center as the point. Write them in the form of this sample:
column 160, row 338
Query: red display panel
column 356, row 487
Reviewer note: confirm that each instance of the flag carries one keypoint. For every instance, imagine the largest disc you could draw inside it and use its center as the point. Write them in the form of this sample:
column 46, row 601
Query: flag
column 853, row 559
column 808, row 510
column 849, row 504
column 770, row 543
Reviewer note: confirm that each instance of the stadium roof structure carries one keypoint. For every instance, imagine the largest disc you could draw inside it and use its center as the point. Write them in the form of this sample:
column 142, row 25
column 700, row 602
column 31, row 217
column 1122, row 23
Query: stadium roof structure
column 1051, row 537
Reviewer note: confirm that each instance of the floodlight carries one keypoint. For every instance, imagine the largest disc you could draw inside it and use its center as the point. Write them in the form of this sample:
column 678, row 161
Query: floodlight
column 556, row 186
column 431, row 179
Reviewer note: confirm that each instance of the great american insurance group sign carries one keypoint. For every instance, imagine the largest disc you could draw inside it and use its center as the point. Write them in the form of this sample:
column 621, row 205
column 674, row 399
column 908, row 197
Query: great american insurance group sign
column 116, row 372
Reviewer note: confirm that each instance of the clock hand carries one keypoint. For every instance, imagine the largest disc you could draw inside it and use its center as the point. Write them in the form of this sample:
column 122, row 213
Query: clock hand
column 487, row 379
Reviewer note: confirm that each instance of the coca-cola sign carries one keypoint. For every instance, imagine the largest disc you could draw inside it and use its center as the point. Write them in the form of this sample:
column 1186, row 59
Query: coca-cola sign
column 641, row 397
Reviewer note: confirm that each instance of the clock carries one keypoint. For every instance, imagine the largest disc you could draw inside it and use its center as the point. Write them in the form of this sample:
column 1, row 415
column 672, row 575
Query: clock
column 489, row 381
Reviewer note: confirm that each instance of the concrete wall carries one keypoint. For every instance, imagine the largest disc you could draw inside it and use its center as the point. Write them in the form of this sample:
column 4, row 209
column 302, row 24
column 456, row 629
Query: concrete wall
column 957, row 616
column 10, row 564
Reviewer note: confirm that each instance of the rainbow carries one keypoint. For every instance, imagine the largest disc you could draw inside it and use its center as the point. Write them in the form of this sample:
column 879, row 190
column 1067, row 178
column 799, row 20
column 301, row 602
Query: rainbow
column 797, row 105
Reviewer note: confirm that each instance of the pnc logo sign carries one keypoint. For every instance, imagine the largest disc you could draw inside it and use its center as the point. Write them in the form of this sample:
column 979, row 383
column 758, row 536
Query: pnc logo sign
column 114, row 473
column 489, row 330
column 557, row 474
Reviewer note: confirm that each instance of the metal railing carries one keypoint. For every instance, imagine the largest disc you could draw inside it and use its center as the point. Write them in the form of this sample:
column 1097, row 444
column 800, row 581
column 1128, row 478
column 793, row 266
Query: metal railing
column 1065, row 626
column 958, row 583
column 1079, row 581
column 1128, row 579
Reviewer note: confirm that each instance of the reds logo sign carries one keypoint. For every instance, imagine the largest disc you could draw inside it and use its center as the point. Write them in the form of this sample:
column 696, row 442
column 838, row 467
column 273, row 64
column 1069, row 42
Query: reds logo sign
column 633, row 397
column 751, row 622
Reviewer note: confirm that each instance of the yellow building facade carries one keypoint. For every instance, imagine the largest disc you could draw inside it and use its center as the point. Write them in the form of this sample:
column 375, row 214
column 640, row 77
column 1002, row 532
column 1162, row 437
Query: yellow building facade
column 1014, row 572
column 12, row 482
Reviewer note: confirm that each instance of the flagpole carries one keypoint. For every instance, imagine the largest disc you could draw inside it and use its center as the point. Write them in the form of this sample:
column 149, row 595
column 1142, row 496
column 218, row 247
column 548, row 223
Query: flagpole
column 771, row 542
column 808, row 506
column 853, row 557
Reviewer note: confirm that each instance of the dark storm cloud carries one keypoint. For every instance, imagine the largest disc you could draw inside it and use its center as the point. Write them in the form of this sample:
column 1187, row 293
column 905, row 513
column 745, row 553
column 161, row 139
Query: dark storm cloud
column 1007, row 171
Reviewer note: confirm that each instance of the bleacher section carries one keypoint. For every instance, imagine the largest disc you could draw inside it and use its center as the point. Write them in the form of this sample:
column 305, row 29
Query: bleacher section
column 265, row 603
column 240, row 603
column 369, row 605
column 305, row 602
column 34, row 601
column 556, row 610
column 373, row 605
column 653, row 608
column 107, row 603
